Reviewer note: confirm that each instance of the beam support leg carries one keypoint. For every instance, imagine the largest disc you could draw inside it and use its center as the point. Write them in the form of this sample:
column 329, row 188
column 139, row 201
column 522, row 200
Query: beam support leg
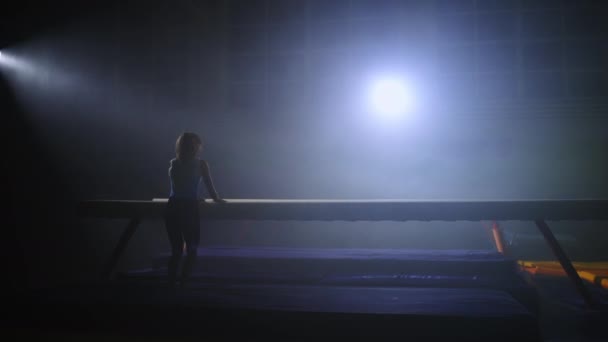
column 108, row 269
column 499, row 239
column 565, row 262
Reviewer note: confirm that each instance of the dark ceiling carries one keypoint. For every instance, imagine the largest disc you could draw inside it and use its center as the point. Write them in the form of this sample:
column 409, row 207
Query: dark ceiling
column 22, row 19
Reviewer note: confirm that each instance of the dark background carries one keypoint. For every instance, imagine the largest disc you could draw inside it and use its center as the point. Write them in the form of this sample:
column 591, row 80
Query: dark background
column 511, row 100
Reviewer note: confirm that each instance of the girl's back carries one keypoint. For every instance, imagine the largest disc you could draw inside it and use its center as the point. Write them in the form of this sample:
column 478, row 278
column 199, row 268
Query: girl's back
column 185, row 176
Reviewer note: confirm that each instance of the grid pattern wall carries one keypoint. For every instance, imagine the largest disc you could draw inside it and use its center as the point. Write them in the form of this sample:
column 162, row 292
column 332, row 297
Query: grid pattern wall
column 288, row 53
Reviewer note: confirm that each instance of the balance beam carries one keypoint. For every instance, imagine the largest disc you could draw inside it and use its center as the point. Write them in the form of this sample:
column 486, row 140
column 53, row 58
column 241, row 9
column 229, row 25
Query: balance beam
column 538, row 211
column 359, row 210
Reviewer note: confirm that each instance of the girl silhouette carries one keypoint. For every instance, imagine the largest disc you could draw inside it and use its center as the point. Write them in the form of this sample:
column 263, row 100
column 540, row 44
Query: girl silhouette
column 182, row 216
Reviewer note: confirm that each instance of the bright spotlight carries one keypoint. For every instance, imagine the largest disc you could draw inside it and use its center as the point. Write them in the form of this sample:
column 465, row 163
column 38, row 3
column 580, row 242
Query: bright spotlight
column 12, row 62
column 390, row 97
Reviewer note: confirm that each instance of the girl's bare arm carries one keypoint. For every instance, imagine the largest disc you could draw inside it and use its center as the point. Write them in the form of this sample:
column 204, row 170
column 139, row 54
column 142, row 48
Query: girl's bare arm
column 208, row 181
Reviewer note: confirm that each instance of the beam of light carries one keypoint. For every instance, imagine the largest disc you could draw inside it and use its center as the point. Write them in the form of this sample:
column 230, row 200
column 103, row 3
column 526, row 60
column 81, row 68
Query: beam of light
column 33, row 72
column 15, row 64
column 390, row 97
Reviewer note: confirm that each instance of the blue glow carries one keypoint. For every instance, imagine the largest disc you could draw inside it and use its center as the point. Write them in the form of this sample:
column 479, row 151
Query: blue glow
column 390, row 97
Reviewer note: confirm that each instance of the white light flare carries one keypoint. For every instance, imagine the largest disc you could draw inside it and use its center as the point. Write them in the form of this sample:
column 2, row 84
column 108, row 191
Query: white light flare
column 23, row 69
column 15, row 64
column 390, row 97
